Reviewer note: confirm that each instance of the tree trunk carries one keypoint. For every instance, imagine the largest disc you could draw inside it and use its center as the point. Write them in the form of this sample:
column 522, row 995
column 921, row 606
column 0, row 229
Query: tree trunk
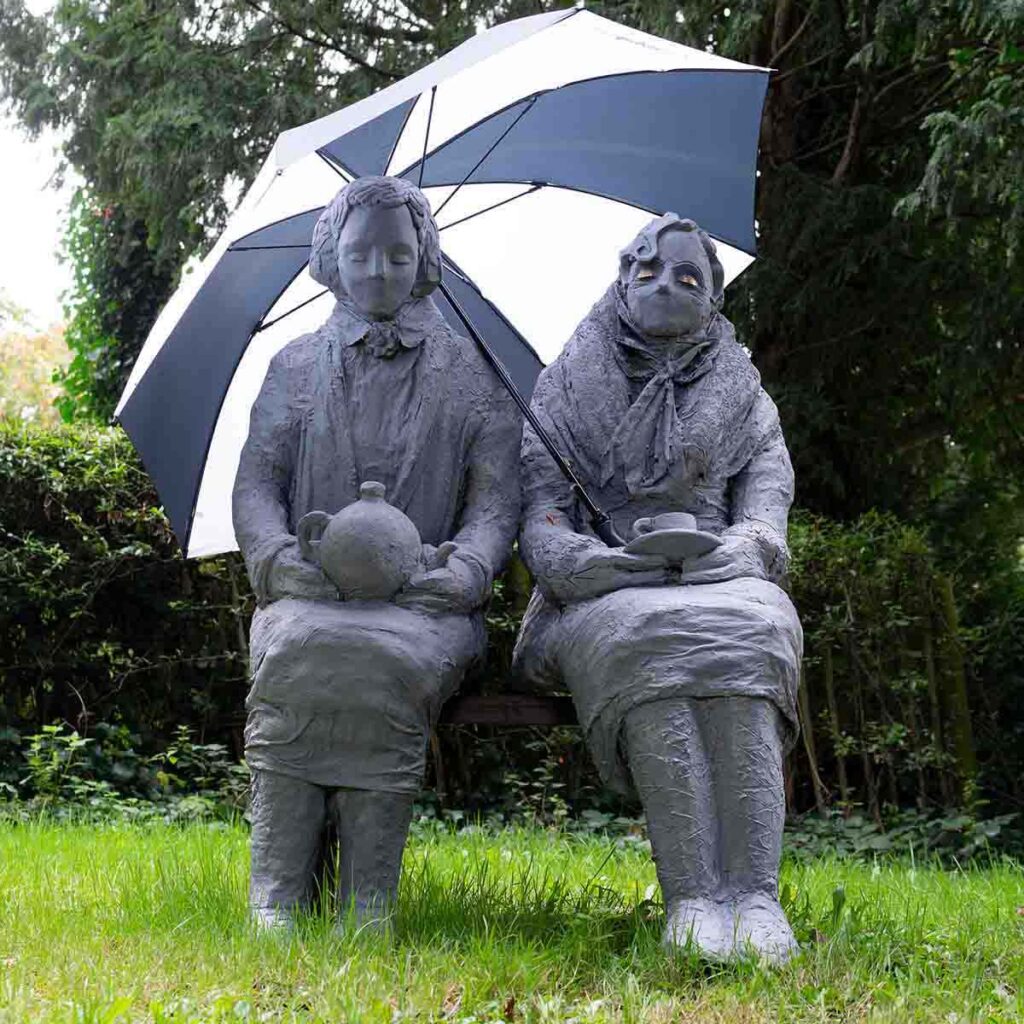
column 955, row 679
column 807, row 731
column 833, row 717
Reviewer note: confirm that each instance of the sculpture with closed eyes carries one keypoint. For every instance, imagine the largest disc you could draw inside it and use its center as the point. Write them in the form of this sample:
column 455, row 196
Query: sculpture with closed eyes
column 681, row 650
column 376, row 497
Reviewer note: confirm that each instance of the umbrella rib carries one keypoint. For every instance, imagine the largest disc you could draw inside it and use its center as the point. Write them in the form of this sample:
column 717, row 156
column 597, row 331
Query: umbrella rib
column 330, row 163
column 254, row 248
column 493, row 206
column 426, row 134
column 494, row 145
column 294, row 309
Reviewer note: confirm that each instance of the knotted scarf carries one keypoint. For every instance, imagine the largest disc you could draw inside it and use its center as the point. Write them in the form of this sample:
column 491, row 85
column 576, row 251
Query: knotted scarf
column 692, row 395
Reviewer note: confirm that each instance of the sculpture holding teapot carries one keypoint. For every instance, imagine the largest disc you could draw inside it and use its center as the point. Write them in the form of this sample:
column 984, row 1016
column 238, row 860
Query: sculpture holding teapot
column 369, row 550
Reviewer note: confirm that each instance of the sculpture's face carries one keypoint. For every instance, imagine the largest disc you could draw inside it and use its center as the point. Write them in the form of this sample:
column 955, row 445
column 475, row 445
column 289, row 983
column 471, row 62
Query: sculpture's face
column 670, row 295
column 378, row 256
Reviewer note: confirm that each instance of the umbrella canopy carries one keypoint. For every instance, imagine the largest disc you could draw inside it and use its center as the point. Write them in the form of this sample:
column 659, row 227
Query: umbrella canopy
column 543, row 145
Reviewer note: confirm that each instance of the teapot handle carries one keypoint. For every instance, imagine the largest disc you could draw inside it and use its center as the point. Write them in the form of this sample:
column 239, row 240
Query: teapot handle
column 309, row 531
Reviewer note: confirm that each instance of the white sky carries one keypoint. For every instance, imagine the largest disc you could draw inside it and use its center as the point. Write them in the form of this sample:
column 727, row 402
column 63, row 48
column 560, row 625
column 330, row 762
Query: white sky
column 32, row 213
column 32, row 216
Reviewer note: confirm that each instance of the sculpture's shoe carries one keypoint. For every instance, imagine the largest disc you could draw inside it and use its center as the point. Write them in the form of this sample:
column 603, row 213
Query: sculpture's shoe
column 702, row 923
column 760, row 923
column 272, row 919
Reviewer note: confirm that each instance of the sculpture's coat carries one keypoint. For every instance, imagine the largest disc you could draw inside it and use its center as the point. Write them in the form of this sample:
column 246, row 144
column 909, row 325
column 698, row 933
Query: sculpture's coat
column 344, row 694
column 726, row 462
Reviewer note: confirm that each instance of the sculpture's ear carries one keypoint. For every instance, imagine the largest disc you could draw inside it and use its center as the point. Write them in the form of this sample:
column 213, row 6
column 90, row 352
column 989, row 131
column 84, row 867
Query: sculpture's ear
column 310, row 531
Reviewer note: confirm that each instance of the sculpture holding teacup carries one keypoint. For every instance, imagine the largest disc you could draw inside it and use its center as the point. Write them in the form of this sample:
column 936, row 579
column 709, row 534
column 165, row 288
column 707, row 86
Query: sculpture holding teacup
column 370, row 610
column 680, row 649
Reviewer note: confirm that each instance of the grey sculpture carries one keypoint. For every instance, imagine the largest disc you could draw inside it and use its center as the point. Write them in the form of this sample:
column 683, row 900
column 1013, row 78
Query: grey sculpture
column 350, row 666
column 681, row 650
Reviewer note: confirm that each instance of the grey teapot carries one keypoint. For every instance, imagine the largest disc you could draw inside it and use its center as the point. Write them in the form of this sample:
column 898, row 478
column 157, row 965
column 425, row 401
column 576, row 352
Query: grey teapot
column 369, row 549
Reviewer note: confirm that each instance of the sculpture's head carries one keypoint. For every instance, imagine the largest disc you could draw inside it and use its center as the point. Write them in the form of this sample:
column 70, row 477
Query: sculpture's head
column 672, row 278
column 376, row 244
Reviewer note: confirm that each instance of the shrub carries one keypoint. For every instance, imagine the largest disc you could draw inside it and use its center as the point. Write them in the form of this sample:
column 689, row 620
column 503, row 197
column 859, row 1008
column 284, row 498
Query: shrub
column 102, row 621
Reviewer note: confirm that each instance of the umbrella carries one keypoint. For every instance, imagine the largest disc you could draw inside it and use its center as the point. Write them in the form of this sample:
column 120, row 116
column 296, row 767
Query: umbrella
column 543, row 145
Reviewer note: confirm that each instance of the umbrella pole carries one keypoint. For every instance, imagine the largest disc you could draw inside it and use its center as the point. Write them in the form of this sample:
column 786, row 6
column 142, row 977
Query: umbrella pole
column 600, row 521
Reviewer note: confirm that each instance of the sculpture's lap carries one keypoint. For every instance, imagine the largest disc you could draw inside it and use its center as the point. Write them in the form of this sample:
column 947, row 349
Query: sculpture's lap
column 344, row 694
column 736, row 639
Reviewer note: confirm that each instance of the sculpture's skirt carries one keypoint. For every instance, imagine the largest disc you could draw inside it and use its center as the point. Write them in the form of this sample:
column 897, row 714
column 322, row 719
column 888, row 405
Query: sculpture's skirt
column 345, row 694
column 736, row 639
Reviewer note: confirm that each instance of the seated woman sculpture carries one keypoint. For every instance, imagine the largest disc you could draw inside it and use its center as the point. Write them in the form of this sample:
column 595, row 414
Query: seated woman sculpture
column 344, row 693
column 684, row 674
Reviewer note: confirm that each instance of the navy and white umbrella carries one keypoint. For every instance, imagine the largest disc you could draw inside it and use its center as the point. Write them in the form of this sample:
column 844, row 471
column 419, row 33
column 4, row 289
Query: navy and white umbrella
column 543, row 144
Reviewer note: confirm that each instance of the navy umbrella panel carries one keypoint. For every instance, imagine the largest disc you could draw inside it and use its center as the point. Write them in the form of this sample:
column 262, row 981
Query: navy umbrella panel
column 171, row 414
column 179, row 402
column 542, row 145
column 651, row 140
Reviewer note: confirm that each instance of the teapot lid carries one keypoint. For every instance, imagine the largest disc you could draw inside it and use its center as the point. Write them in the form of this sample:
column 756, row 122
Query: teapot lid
column 372, row 490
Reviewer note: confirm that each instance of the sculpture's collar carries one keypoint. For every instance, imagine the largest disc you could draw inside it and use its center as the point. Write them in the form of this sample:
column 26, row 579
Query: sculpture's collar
column 414, row 320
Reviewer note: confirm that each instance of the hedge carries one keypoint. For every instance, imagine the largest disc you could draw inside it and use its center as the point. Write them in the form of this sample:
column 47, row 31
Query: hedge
column 102, row 621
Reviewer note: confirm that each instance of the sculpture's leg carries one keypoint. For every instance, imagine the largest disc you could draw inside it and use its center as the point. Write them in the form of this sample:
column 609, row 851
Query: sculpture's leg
column 372, row 829
column 744, row 737
column 287, row 821
column 669, row 764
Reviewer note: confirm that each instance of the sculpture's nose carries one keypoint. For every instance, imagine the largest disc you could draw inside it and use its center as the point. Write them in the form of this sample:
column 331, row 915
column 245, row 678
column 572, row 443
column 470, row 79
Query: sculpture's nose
column 376, row 263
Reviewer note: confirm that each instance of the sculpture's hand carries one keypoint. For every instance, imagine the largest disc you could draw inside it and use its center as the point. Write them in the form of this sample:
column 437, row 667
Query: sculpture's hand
column 600, row 570
column 448, row 585
column 736, row 557
column 292, row 576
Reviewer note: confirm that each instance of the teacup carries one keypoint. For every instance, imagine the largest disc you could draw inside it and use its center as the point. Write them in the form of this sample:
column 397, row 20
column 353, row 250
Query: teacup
column 665, row 521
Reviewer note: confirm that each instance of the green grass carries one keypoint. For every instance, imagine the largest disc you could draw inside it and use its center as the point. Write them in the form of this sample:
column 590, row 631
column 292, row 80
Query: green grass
column 148, row 923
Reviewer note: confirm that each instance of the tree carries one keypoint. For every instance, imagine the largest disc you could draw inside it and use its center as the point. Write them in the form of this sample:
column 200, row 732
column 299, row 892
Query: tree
column 884, row 312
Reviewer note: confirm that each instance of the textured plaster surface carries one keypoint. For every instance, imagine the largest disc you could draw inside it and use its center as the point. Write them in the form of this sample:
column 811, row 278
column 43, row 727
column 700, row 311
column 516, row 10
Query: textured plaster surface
column 344, row 692
column 369, row 550
column 656, row 404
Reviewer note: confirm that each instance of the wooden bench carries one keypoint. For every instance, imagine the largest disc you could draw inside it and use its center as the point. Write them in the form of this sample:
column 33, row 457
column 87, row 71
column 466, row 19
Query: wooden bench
column 509, row 709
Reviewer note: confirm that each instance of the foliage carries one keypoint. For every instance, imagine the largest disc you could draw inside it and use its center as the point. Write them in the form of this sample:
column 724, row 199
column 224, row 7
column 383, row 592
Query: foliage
column 28, row 360
column 537, row 926
column 117, row 291
column 884, row 694
column 102, row 621
column 949, row 838
column 100, row 618
column 102, row 777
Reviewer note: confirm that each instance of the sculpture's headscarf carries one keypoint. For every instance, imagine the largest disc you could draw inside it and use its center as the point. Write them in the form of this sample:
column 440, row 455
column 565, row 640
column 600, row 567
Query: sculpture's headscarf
column 648, row 440
column 690, row 399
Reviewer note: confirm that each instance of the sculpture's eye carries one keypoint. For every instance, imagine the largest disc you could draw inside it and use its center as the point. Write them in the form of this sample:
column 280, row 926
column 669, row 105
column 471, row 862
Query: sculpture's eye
column 644, row 274
column 690, row 280
column 401, row 258
column 356, row 256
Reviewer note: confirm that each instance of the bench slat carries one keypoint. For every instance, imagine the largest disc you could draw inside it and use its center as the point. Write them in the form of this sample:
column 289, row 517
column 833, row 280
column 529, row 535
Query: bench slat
column 509, row 709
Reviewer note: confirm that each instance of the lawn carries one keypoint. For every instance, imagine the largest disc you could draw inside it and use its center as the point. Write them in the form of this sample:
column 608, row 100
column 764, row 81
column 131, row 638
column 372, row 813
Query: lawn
column 147, row 923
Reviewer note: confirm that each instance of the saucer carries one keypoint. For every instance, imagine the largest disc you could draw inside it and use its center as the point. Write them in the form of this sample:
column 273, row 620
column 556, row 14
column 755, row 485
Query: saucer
column 675, row 545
